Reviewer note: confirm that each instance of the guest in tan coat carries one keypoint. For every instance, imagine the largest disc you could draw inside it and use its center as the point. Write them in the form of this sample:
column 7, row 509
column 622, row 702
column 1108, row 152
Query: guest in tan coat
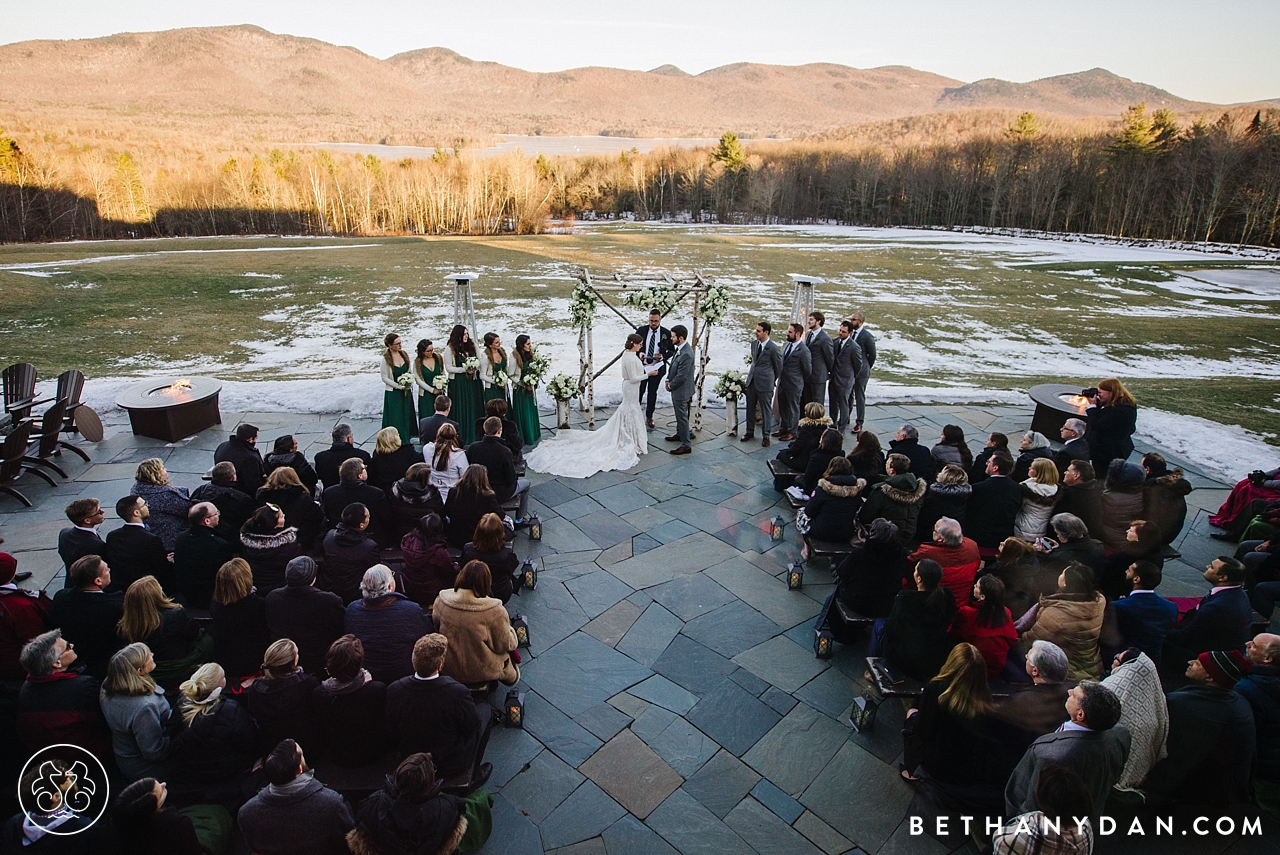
column 1071, row 619
column 481, row 639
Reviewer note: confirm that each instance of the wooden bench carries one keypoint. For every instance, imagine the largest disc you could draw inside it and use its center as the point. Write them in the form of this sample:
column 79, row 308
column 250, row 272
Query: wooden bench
column 831, row 549
column 908, row 687
column 357, row 782
column 1168, row 553
column 849, row 616
column 783, row 473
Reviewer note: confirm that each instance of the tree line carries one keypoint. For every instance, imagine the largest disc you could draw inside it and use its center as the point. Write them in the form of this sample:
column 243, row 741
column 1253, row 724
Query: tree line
column 1150, row 177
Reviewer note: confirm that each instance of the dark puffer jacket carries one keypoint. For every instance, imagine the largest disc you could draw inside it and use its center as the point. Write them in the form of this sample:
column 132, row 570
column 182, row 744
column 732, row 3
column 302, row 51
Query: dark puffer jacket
column 1261, row 688
column 410, row 502
column 871, row 576
column 796, row 455
column 898, row 499
column 297, row 461
column 268, row 554
column 388, row 825
column 428, row 568
column 1121, row 504
column 282, row 709
column 348, row 552
column 1164, row 503
column 943, row 500
column 834, row 507
column 213, row 748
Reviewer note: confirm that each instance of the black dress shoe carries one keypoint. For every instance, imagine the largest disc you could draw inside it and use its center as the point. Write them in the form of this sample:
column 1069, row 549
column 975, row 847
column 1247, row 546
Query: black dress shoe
column 22, row 576
column 482, row 776
column 747, row 437
column 1230, row 538
column 672, row 438
column 684, row 449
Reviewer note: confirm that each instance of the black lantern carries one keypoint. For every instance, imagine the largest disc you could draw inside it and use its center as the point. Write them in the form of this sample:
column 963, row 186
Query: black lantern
column 824, row 644
column 795, row 576
column 535, row 527
column 863, row 714
column 529, row 575
column 775, row 527
column 513, row 713
column 521, row 627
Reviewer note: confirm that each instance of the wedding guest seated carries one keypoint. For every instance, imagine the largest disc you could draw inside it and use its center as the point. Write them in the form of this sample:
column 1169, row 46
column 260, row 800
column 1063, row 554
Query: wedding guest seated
column 1031, row 711
column 87, row 615
column 951, row 450
column 409, row 814
column 413, row 497
column 987, row 624
column 914, row 635
column 216, row 747
column 343, row 449
column 135, row 550
column 429, row 712
column 167, row 629
column 352, row 488
column 1121, row 502
column 494, row 456
column 907, row 443
column 997, row 443
column 428, row 425
column 26, row 616
column 1025, row 581
column 391, row 459
column 349, row 707
column 57, row 705
column 1222, row 621
column 233, row 504
column 479, row 631
column 1142, row 543
column 447, row 459
column 1260, row 686
column 168, row 504
column 81, row 538
column 348, row 552
column 199, row 553
column 428, row 567
column 897, row 498
column 833, row 510
column 268, row 545
column 280, row 700
column 468, row 503
column 814, row 424
column 867, row 457
column 1063, row 799
column 1211, row 737
column 137, row 713
column 947, row 496
column 1033, row 446
column 1237, row 510
column 284, row 490
column 387, row 624
column 956, row 554
column 240, row 449
column 1071, row 619
column 1135, row 681
column 239, row 622
column 829, row 448
column 1143, row 618
column 1164, row 497
column 294, row 814
column 1074, row 444
column 1039, row 495
column 312, row 618
column 1080, row 494
column 285, row 453
column 1071, row 544
column 142, row 824
column 25, row 831
column 489, row 545
column 871, row 575
column 510, row 433
column 1092, row 743
column 994, row 503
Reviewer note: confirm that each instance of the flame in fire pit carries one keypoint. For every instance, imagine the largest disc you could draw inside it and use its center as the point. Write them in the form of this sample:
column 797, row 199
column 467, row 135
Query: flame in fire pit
column 181, row 388
column 1076, row 400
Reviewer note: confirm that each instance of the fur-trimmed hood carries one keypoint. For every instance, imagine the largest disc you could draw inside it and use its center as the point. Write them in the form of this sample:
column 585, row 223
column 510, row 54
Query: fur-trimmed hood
column 1039, row 494
column 466, row 601
column 275, row 540
column 842, row 486
column 905, row 489
column 1172, row 480
column 950, row 491
column 824, row 421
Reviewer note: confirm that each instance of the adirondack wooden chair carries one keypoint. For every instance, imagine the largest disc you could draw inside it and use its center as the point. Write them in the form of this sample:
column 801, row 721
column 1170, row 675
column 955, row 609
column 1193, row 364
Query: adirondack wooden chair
column 19, row 390
column 13, row 465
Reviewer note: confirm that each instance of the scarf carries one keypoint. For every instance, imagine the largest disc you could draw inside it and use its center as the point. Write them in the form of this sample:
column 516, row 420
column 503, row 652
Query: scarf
column 1144, row 712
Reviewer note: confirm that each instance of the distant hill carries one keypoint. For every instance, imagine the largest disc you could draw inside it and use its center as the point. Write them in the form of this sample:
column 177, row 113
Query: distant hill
column 247, row 83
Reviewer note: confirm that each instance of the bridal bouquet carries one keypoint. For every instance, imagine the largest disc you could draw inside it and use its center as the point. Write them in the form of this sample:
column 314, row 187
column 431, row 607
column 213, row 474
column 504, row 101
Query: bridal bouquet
column 440, row 383
column 405, row 382
column 471, row 363
column 501, row 380
column 562, row 387
column 732, row 384
column 534, row 370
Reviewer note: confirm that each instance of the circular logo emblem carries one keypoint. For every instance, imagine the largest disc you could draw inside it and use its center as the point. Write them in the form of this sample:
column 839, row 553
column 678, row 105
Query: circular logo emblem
column 63, row 790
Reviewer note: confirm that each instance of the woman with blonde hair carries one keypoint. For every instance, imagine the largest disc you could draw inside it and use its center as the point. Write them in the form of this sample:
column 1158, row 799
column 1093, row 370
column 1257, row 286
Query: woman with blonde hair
column 489, row 544
column 1039, row 495
column 240, row 634
column 447, row 458
column 136, row 711
column 1112, row 417
column 397, row 401
column 492, row 362
column 216, row 745
column 169, row 504
column 280, row 700
column 167, row 630
column 285, row 490
column 391, row 459
column 948, row 496
column 479, row 631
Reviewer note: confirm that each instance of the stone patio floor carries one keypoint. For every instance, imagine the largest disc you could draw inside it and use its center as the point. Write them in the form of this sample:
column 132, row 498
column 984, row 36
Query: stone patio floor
column 673, row 699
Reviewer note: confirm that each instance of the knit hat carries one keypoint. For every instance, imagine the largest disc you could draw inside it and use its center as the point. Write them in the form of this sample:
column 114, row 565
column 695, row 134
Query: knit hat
column 300, row 572
column 8, row 567
column 1224, row 667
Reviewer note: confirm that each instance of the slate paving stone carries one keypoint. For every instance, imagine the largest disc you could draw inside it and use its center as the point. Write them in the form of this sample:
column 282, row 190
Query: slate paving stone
column 605, row 528
column 585, row 814
column 612, row 624
column 618, row 552
column 646, row 518
column 553, row 615
column 797, row 749
column 630, row 772
column 702, row 515
column 510, row 748
column 693, row 829
column 749, row 681
column 730, row 629
column 777, row 801
column 640, row 544
column 662, row 491
column 715, row 493
column 513, row 832
column 683, row 746
column 748, row 535
column 597, row 592
column 553, row 493
column 903, row 842
column 628, row 704
column 650, row 635
column 765, row 593
column 765, row 832
column 822, row 835
column 641, row 599
column 689, row 597
column 671, row 530
column 666, row 694
column 752, row 502
column 604, row 721
column 580, row 672
column 561, row 535
column 831, row 692
column 687, row 663
column 733, row 718
column 651, row 721
column 594, row 846
column 885, row 739
column 629, row 836
column 623, row 498
column 860, row 797
column 540, row 789
column 782, row 662
column 681, row 557
column 721, row 783
column 570, row 741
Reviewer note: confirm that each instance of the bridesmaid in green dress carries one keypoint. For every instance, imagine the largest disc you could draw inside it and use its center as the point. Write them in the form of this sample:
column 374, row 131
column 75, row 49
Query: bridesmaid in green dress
column 464, row 385
column 524, row 403
column 397, row 401
column 427, row 367
column 493, row 361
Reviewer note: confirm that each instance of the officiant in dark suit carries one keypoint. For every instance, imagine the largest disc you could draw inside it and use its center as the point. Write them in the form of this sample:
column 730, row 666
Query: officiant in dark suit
column 657, row 347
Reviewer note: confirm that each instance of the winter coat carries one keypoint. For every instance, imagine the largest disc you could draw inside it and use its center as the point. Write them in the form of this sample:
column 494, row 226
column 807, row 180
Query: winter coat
column 268, row 554
column 303, row 816
column 921, row 459
column 247, row 460
column 297, row 461
column 282, row 709
column 220, row 746
column 348, row 552
column 1022, row 466
column 1211, row 749
column 502, row 565
column 944, row 455
column 993, row 508
column 869, row 466
column 833, row 510
column 240, row 635
column 410, row 502
column 388, row 626
column 300, row 512
column 808, row 434
column 897, row 499
column 386, row 469
column 1089, row 552
column 1110, row 433
column 61, row 708
column 233, row 504
column 88, row 620
column 1073, row 622
column 349, row 720
column 428, row 568
column 819, row 460
column 309, row 617
column 959, row 565
column 1037, row 507
column 1144, row 713
column 464, row 513
column 915, row 633
column 943, row 500
column 480, row 637
column 387, row 825
column 1121, row 505
column 1083, row 500
column 1261, row 688
column 23, row 615
column 1025, row 582
column 139, row 732
column 169, row 507
column 871, row 575
column 1164, row 503
column 993, row 642
column 335, row 499
column 173, row 638
column 197, row 557
column 166, row 832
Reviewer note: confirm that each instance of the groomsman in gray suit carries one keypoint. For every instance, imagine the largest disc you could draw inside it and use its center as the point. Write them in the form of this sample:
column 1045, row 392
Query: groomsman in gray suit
column 820, row 352
column 865, row 340
column 766, row 364
column 846, row 369
column 796, row 366
column 680, row 385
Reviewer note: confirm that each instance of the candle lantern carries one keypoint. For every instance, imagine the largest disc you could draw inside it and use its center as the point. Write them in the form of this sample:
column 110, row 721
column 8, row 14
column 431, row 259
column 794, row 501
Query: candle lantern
column 795, row 576
column 513, row 714
column 521, row 627
column 535, row 527
column 824, row 644
column 529, row 575
column 863, row 714
column 776, row 527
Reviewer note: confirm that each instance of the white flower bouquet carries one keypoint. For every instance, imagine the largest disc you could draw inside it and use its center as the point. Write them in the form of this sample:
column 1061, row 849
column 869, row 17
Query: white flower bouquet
column 747, row 359
column 562, row 387
column 582, row 305
column 501, row 380
column 534, row 370
column 732, row 384
column 660, row 297
column 405, row 382
column 440, row 383
column 714, row 304
column 471, row 363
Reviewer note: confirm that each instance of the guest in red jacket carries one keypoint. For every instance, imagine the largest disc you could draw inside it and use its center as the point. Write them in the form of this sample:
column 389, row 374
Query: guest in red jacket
column 23, row 616
column 987, row 624
column 957, row 554
column 57, row 705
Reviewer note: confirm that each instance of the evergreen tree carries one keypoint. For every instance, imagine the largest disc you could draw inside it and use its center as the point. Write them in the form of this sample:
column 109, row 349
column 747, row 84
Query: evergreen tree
column 731, row 153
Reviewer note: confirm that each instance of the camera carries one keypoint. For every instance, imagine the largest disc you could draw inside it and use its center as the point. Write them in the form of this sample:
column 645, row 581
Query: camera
column 1257, row 476
column 1090, row 393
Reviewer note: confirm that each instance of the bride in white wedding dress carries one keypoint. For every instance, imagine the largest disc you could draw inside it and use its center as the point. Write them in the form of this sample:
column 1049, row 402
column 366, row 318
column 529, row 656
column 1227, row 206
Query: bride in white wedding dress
column 617, row 445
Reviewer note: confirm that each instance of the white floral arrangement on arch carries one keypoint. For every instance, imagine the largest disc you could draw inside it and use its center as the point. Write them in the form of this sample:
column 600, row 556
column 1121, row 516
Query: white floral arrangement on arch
column 440, row 382
column 405, row 382
column 534, row 370
column 471, row 363
column 562, row 387
column 731, row 385
column 714, row 304
column 660, row 297
column 582, row 305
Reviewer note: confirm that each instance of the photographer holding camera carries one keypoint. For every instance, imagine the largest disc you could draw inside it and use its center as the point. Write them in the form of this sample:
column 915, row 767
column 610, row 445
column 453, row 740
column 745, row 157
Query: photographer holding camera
column 1112, row 418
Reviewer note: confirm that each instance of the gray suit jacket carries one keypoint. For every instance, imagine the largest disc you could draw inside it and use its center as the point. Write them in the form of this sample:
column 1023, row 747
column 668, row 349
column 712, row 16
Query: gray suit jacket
column 795, row 368
column 868, row 344
column 1096, row 756
column 765, row 367
column 847, row 365
column 821, row 352
column 681, row 374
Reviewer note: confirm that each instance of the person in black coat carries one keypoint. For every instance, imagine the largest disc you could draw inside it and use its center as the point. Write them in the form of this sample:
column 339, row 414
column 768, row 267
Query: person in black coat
column 239, row 628
column 1112, row 419
column 286, row 492
column 286, row 453
column 87, row 615
column 312, row 618
column 391, row 459
column 495, row 457
column 199, row 554
column 1074, row 445
column 994, row 504
column 280, row 700
column 81, row 538
column 135, row 551
column 948, row 496
column 1034, row 446
column 1164, row 497
column 467, row 504
column 349, row 707
column 830, row 446
column 510, row 433
column 870, row 576
column 997, row 443
column 348, row 552
column 234, row 507
column 1080, row 494
column 329, row 461
column 656, row 346
column 1222, row 621
column 1261, row 688
column 428, row 425
column 808, row 435
column 410, row 814
column 907, row 442
column 835, row 504
column 1071, row 544
column 413, row 497
column 489, row 544
column 914, row 636
column 268, row 545
column 353, row 488
column 213, row 752
column 240, row 451
column 141, row 824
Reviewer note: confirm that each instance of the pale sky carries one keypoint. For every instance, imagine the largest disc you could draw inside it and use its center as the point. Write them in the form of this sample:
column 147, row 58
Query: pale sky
column 1224, row 51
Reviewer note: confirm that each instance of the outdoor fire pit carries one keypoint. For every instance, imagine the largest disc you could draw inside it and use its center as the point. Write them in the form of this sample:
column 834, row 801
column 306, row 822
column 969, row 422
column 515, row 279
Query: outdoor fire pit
column 171, row 408
column 1055, row 403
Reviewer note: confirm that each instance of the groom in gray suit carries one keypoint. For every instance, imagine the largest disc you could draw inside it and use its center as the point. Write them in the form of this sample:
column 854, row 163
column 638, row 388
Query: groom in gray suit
column 766, row 364
column 680, row 385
